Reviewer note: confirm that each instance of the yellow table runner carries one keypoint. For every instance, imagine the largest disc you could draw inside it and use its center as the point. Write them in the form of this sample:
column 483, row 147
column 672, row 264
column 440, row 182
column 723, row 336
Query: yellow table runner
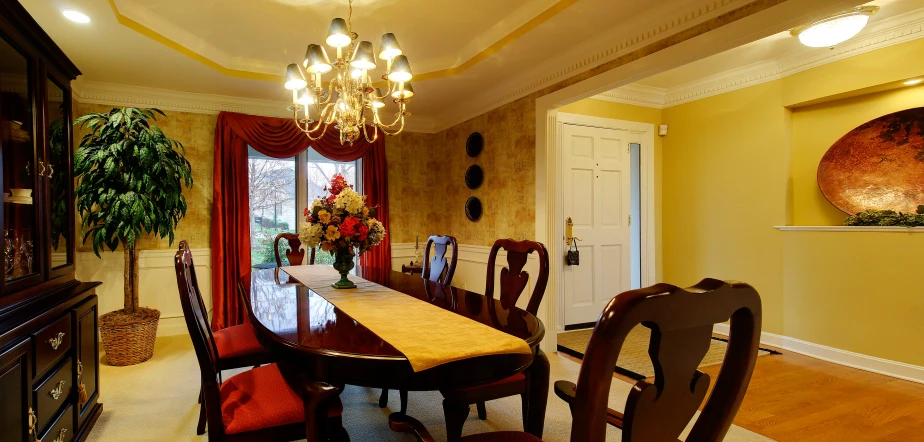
column 426, row 334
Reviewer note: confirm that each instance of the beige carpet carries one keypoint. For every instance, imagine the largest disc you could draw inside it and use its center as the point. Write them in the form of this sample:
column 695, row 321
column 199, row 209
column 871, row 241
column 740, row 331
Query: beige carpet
column 156, row 401
column 634, row 361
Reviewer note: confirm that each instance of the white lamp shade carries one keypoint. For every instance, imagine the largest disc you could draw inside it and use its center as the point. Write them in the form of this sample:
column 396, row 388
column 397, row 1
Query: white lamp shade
column 400, row 70
column 363, row 57
column 406, row 93
column 305, row 98
column 389, row 48
column 294, row 78
column 316, row 61
column 338, row 35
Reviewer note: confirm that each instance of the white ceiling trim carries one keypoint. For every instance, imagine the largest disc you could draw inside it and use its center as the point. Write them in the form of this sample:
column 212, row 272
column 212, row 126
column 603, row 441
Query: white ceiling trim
column 896, row 30
column 120, row 95
column 552, row 72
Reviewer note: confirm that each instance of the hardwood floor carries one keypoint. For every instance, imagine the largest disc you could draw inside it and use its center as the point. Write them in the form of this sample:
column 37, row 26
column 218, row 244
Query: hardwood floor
column 797, row 398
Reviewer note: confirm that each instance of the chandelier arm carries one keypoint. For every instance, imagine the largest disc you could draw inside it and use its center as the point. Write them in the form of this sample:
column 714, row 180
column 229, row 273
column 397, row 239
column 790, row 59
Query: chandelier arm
column 375, row 136
column 399, row 118
column 400, row 129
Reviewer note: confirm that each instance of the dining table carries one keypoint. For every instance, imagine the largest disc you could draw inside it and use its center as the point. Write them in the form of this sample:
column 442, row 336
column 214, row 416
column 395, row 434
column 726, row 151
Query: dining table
column 321, row 348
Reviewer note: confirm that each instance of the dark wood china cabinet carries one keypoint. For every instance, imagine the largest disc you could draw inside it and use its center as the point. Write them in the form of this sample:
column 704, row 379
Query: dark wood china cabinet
column 49, row 358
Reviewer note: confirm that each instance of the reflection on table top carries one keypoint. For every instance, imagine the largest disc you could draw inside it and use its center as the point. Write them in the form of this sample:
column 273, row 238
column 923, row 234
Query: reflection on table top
column 302, row 317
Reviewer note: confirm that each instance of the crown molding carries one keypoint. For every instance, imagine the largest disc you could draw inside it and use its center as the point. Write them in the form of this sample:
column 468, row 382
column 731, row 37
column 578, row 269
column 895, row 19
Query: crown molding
column 94, row 92
column 895, row 30
column 595, row 53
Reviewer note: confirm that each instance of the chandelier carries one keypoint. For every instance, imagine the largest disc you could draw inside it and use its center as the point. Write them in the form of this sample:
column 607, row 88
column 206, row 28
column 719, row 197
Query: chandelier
column 351, row 93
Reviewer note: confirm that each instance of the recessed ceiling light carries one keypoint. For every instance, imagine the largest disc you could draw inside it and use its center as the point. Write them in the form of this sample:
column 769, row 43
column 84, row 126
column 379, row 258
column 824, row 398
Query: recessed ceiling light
column 913, row 82
column 836, row 29
column 76, row 16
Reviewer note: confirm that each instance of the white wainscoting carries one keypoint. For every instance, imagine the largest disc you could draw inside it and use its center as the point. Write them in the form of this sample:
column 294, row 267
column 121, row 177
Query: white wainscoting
column 158, row 283
column 471, row 270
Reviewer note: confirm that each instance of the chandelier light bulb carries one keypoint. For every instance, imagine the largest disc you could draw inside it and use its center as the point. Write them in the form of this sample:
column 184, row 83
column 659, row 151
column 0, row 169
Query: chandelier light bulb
column 294, row 78
column 316, row 61
column 400, row 70
column 305, row 98
column 356, row 73
column 363, row 57
column 338, row 35
column 389, row 48
column 836, row 29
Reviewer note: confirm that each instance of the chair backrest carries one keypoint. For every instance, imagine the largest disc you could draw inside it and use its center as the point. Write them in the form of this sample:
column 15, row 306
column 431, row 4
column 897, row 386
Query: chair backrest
column 513, row 278
column 293, row 254
column 439, row 269
column 681, row 323
column 196, row 316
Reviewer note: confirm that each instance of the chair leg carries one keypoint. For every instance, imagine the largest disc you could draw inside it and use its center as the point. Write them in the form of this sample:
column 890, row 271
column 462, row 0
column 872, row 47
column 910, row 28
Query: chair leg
column 403, row 394
column 455, row 414
column 200, row 428
column 482, row 411
column 200, row 395
column 383, row 399
column 335, row 430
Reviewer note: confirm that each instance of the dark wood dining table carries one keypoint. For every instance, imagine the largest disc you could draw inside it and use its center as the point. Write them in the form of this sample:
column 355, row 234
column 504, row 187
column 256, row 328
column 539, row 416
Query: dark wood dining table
column 322, row 348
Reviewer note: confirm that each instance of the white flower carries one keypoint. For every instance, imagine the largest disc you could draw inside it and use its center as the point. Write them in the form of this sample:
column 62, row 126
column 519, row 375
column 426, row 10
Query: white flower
column 349, row 201
column 310, row 234
column 316, row 203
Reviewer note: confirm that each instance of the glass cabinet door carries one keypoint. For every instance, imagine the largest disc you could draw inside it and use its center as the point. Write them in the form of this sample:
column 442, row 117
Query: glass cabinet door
column 58, row 174
column 17, row 142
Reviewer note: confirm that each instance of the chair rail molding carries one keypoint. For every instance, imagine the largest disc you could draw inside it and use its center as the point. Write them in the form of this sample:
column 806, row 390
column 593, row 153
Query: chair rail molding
column 157, row 287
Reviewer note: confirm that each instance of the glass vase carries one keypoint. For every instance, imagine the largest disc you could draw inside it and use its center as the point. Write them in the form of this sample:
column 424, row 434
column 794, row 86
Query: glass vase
column 343, row 263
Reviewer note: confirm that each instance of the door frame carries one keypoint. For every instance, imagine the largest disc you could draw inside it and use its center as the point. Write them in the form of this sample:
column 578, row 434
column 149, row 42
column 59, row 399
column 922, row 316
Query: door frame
column 556, row 203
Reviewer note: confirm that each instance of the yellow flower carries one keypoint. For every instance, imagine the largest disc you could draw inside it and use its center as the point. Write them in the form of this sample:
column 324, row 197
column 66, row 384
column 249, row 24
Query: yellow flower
column 324, row 216
column 365, row 211
column 332, row 233
column 326, row 246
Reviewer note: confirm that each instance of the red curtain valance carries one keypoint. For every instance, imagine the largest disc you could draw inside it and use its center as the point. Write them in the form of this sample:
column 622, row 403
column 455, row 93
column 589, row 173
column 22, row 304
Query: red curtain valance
column 278, row 138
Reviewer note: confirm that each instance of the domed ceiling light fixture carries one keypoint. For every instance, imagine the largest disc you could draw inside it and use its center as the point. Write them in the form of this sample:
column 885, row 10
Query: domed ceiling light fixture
column 350, row 94
column 836, row 29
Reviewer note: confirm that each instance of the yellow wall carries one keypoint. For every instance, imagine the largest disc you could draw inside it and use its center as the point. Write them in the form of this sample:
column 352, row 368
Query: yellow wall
column 725, row 174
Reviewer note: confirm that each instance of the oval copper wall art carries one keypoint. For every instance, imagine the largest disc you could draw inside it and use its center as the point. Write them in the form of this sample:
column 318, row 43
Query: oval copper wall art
column 879, row 165
column 474, row 176
column 474, row 144
column 473, row 209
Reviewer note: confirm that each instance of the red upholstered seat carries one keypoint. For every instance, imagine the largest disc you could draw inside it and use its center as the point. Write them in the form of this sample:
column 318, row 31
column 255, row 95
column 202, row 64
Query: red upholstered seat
column 261, row 398
column 501, row 436
column 238, row 340
column 519, row 377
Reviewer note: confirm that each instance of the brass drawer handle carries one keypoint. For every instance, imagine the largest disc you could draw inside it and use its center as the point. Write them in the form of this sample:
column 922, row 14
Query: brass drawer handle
column 56, row 341
column 61, row 434
column 33, row 421
column 57, row 391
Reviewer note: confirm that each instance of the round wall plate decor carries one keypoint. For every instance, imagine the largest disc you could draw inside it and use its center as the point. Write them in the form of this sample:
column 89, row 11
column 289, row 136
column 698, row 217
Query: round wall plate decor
column 474, row 176
column 878, row 165
column 474, row 144
column 473, row 209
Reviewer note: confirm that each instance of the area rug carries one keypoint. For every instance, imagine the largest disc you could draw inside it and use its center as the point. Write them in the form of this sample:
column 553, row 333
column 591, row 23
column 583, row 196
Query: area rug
column 633, row 361
column 156, row 401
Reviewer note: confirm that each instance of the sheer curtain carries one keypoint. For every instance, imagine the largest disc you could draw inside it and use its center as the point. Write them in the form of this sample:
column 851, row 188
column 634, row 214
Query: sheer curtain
column 278, row 138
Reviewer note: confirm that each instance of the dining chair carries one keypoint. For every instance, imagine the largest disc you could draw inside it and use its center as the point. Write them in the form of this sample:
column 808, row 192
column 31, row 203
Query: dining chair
column 513, row 282
column 293, row 255
column 681, row 322
column 255, row 405
column 235, row 346
column 438, row 269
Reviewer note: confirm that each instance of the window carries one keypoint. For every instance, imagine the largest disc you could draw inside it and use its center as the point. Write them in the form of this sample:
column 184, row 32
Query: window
column 279, row 190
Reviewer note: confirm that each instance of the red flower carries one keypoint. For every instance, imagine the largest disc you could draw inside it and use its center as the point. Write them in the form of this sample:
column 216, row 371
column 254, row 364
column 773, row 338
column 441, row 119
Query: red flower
column 331, row 198
column 363, row 232
column 305, row 212
column 337, row 184
column 348, row 227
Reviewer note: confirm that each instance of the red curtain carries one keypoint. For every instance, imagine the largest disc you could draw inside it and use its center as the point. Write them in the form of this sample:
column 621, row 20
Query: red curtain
column 278, row 138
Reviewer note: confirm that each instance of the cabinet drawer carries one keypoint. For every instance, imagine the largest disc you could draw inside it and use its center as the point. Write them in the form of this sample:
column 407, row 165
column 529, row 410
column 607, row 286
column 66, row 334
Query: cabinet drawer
column 63, row 428
column 52, row 342
column 54, row 393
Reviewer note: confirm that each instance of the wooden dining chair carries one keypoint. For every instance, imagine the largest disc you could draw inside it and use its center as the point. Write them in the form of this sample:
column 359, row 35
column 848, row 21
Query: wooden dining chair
column 681, row 322
column 255, row 405
column 235, row 346
column 293, row 255
column 513, row 282
column 436, row 269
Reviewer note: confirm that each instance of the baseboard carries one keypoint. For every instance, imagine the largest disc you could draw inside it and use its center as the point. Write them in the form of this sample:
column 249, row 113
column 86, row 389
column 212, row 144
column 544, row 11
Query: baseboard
column 895, row 369
column 172, row 326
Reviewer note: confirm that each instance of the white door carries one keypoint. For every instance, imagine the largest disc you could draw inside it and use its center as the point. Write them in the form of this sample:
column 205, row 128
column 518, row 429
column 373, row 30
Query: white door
column 596, row 167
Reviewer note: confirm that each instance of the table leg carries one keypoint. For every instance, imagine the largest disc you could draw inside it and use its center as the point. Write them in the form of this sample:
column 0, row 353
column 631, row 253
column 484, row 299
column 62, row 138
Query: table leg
column 537, row 395
column 316, row 397
column 402, row 423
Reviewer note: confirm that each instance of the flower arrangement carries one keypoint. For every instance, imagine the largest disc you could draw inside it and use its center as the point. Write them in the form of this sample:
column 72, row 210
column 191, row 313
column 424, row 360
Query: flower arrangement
column 342, row 224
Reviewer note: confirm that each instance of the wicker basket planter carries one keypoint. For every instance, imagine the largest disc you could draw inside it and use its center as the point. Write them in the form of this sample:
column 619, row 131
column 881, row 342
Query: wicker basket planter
column 129, row 340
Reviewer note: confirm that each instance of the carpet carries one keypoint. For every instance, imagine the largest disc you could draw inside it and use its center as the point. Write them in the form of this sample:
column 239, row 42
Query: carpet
column 156, row 401
column 633, row 360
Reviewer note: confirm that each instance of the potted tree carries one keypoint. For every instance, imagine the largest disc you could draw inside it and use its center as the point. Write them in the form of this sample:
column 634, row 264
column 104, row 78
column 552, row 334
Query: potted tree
column 130, row 179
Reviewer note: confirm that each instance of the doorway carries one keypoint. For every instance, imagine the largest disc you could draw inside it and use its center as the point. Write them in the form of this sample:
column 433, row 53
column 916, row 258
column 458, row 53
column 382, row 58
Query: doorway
column 602, row 192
